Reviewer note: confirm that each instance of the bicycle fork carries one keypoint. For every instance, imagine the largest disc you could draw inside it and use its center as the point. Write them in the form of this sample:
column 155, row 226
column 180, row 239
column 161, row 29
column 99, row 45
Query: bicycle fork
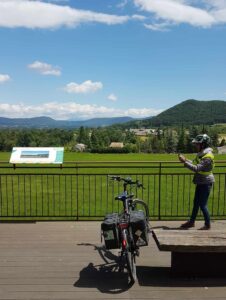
column 128, row 253
column 124, row 243
column 126, row 240
column 124, row 235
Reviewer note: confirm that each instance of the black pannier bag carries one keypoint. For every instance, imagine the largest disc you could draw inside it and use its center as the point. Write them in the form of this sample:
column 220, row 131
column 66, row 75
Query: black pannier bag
column 110, row 232
column 139, row 227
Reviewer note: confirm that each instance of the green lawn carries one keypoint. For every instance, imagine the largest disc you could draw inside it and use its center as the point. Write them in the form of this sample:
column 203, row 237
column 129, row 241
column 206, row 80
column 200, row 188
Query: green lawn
column 77, row 157
column 89, row 163
column 85, row 192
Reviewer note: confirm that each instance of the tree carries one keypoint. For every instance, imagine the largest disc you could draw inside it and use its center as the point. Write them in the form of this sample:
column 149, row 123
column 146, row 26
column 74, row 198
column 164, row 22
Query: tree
column 2, row 142
column 116, row 135
column 24, row 139
column 193, row 132
column 222, row 143
column 130, row 137
column 83, row 136
column 170, row 141
column 146, row 146
column 214, row 139
column 94, row 140
column 157, row 145
column 181, row 146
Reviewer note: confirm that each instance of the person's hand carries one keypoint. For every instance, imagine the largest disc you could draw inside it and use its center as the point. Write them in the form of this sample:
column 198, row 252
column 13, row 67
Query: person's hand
column 182, row 158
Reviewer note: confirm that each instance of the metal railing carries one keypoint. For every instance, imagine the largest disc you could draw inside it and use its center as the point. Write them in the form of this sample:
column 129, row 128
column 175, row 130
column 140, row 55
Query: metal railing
column 83, row 191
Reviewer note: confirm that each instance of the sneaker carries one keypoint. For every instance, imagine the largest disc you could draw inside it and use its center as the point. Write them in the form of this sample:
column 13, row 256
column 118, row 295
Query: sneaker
column 187, row 225
column 205, row 227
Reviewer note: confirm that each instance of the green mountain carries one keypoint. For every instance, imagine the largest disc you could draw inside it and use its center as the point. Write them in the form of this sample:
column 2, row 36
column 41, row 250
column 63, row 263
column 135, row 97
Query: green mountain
column 46, row 122
column 190, row 112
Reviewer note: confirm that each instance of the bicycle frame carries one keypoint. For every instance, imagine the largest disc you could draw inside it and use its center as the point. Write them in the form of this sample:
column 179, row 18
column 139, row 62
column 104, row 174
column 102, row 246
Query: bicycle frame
column 123, row 227
column 129, row 249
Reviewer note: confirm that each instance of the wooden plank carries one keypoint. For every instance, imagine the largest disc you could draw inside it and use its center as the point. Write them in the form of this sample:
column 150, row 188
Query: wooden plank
column 51, row 269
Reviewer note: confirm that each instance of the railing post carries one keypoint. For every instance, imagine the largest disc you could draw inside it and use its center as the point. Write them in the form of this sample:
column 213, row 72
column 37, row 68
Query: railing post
column 160, row 175
column 77, row 192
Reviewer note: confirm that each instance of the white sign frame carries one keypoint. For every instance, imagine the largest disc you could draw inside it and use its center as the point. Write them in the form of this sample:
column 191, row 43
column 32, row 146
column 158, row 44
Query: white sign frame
column 37, row 155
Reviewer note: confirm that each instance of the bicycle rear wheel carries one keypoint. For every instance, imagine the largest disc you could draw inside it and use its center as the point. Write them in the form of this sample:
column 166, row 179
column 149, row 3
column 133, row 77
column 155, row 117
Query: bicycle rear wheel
column 137, row 203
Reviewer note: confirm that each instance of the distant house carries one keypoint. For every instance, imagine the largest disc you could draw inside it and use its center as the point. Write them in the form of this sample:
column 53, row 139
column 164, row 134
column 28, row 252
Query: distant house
column 80, row 147
column 221, row 150
column 142, row 131
column 116, row 145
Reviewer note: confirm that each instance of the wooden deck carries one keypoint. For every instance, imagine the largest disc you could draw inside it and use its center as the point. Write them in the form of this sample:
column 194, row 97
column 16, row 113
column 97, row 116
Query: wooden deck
column 66, row 260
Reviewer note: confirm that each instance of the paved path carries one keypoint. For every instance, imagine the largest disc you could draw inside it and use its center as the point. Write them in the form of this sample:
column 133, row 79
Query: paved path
column 66, row 260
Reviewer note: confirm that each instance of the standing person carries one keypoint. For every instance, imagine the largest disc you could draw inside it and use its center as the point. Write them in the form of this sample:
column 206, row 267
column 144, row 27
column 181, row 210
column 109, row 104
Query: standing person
column 203, row 166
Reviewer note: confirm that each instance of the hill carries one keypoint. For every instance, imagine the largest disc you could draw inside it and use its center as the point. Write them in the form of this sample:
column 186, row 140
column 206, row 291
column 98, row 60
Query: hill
column 189, row 112
column 46, row 122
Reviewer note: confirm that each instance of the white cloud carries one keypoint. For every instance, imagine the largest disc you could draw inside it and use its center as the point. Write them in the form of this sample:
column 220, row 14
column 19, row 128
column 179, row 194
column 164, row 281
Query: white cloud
column 158, row 26
column 220, row 15
column 39, row 14
column 138, row 17
column 4, row 78
column 179, row 11
column 218, row 4
column 44, row 68
column 56, row 1
column 86, row 87
column 112, row 97
column 142, row 112
column 71, row 110
column 52, row 14
column 122, row 4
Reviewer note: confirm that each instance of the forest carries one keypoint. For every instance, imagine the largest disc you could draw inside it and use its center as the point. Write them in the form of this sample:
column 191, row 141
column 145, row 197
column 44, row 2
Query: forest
column 97, row 140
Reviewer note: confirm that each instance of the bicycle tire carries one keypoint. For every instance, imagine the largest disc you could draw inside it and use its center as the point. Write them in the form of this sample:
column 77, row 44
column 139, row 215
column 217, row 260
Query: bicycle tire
column 131, row 266
column 138, row 201
column 130, row 260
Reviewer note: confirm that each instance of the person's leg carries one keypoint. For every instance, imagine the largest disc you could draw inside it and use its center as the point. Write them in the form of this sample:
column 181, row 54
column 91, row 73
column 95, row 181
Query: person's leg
column 205, row 191
column 196, row 204
column 191, row 222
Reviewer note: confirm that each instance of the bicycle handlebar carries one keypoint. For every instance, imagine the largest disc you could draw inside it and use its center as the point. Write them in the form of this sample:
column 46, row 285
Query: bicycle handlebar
column 127, row 180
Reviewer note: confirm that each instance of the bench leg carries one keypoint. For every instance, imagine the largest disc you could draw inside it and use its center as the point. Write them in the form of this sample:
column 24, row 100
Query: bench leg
column 208, row 264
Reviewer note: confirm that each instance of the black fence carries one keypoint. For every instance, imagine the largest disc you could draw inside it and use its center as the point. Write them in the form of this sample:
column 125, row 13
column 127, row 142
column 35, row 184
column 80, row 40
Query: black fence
column 85, row 192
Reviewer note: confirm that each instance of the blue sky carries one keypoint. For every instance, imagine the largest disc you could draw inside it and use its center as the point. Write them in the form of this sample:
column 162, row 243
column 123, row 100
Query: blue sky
column 82, row 59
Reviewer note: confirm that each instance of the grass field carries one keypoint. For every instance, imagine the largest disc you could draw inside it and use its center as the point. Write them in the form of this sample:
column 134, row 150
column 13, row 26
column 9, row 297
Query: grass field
column 89, row 163
column 77, row 157
column 78, row 191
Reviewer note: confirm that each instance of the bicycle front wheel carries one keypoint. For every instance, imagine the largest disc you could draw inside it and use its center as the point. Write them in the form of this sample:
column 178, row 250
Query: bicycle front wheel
column 131, row 266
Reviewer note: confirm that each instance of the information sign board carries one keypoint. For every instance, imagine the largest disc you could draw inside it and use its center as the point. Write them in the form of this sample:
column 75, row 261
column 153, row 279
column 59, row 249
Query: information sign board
column 37, row 155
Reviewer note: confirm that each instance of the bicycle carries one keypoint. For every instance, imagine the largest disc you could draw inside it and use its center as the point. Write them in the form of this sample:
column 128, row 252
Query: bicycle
column 128, row 230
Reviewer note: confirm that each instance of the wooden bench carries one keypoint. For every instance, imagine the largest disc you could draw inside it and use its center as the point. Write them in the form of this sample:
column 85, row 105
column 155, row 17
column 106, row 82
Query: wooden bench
column 194, row 252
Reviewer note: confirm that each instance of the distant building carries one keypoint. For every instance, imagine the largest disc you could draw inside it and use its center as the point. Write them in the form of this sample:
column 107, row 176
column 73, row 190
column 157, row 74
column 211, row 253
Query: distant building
column 80, row 147
column 142, row 131
column 116, row 145
column 221, row 150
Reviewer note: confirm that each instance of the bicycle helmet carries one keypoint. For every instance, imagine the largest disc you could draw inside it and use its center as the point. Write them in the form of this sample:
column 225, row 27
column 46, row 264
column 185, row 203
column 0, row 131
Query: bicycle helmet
column 202, row 139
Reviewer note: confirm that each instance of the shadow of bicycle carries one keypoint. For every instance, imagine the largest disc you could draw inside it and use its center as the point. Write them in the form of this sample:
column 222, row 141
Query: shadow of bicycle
column 105, row 277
